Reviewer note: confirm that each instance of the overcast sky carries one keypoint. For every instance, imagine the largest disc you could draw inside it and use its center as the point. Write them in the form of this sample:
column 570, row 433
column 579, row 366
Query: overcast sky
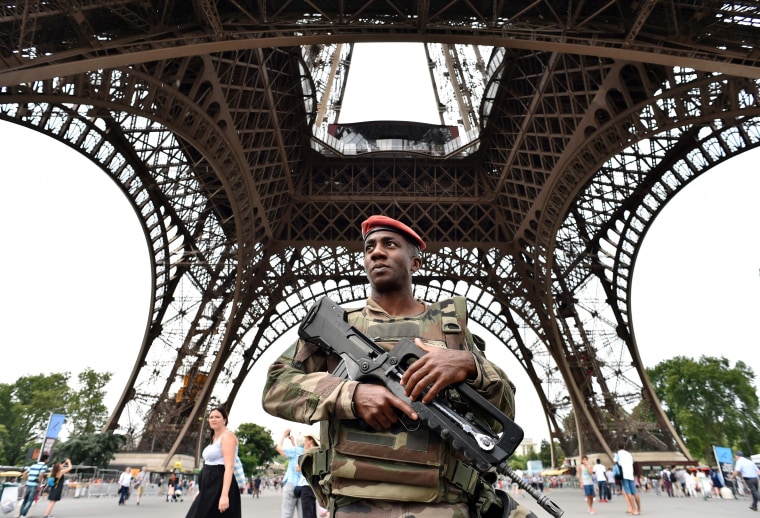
column 75, row 272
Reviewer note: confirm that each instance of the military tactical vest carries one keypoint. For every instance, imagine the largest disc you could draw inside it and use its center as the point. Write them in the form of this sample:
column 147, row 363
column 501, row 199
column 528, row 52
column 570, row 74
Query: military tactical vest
column 407, row 462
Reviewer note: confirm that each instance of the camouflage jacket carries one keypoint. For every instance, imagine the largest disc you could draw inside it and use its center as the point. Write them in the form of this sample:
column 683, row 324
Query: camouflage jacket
column 367, row 464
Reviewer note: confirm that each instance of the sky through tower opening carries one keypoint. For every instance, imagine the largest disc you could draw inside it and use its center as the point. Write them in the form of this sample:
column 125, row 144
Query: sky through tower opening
column 400, row 99
column 389, row 81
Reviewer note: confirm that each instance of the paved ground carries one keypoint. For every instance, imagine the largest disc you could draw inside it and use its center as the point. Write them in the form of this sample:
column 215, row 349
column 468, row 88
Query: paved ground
column 268, row 506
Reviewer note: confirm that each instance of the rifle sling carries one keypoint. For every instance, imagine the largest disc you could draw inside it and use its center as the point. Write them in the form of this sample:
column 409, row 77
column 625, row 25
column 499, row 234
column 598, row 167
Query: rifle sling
column 463, row 476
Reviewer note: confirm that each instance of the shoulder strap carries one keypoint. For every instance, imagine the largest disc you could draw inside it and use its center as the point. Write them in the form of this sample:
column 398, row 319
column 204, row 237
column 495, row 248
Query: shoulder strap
column 454, row 321
column 355, row 317
column 225, row 433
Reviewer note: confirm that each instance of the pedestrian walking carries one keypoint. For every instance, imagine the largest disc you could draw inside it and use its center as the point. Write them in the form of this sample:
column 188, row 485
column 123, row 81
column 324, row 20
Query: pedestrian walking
column 125, row 482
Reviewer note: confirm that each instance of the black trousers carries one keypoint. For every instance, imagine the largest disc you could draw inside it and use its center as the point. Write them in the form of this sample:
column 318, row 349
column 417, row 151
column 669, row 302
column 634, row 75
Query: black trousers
column 308, row 502
column 752, row 484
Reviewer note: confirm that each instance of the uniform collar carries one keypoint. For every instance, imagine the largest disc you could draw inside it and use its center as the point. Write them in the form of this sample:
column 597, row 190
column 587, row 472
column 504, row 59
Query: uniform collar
column 374, row 309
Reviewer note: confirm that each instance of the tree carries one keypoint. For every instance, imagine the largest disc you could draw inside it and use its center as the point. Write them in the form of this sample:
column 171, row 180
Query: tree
column 545, row 454
column 86, row 412
column 255, row 446
column 96, row 449
column 26, row 405
column 709, row 402
column 518, row 462
column 6, row 413
column 25, row 408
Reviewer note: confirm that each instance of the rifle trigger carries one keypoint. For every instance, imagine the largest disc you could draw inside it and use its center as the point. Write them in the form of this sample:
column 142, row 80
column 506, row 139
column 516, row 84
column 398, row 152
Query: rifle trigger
column 405, row 418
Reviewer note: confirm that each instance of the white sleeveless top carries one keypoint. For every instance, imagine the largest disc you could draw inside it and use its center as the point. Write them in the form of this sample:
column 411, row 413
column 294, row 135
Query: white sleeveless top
column 212, row 454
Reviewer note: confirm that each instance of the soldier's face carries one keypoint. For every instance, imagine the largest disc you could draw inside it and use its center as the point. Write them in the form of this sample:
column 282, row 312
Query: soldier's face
column 389, row 260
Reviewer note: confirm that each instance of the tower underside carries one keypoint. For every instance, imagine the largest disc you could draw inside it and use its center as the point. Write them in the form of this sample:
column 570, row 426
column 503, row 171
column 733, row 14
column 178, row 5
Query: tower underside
column 575, row 129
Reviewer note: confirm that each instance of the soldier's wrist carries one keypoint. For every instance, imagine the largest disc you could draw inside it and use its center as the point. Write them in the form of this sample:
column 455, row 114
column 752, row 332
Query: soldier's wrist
column 471, row 378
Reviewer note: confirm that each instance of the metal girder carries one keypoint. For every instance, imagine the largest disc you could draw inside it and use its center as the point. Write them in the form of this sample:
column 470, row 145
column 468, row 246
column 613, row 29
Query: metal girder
column 590, row 117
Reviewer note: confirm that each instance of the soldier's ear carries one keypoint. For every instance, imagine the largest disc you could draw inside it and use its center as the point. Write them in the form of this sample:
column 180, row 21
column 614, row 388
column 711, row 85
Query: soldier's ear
column 416, row 263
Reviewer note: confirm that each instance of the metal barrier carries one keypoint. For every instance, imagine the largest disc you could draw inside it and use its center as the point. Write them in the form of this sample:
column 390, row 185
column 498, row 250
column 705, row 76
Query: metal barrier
column 93, row 490
column 99, row 490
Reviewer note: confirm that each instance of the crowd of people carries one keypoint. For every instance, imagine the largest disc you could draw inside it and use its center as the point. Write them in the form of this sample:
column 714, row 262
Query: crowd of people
column 374, row 457
column 600, row 483
column 174, row 488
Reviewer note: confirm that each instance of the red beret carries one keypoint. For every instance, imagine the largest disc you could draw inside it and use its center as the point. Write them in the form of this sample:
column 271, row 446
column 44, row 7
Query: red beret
column 375, row 223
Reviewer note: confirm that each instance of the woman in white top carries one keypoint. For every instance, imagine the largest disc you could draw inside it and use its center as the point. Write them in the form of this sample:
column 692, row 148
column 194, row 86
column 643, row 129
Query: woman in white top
column 125, row 481
column 218, row 493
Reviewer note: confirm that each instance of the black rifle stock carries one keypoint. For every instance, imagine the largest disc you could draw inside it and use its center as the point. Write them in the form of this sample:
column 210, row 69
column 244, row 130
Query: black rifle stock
column 325, row 325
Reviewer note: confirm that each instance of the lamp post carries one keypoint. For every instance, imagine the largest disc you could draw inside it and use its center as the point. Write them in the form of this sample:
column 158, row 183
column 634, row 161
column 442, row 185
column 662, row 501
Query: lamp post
column 200, row 440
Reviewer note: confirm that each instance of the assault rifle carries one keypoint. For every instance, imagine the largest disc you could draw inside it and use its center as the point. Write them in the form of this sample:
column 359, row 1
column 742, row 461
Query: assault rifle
column 325, row 325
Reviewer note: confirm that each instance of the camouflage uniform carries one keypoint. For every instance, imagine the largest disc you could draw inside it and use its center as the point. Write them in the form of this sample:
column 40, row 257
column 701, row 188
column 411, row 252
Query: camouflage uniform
column 398, row 472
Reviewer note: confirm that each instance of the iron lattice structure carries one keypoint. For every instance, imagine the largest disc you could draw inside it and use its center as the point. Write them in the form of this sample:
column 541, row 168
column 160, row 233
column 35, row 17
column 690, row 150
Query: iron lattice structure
column 576, row 123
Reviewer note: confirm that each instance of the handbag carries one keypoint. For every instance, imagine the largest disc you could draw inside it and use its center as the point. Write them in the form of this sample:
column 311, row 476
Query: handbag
column 239, row 472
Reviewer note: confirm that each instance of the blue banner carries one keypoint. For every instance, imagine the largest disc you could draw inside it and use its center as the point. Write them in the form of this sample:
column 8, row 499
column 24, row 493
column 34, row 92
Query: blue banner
column 725, row 459
column 51, row 436
column 55, row 425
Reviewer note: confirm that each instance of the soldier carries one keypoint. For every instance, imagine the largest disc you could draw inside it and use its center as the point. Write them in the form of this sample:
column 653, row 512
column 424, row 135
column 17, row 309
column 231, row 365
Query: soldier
column 374, row 460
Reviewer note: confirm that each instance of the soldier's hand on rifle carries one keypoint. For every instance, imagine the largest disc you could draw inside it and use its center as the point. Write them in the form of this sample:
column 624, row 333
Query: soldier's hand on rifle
column 377, row 406
column 436, row 370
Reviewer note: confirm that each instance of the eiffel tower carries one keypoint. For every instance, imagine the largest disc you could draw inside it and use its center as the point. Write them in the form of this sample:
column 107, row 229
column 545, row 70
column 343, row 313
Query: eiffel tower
column 565, row 127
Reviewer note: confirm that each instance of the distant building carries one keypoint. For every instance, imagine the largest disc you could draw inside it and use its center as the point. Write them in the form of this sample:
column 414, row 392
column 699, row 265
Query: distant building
column 527, row 447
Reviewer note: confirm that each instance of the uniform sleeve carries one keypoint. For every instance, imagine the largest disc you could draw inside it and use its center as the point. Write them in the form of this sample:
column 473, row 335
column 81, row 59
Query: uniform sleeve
column 299, row 388
column 492, row 382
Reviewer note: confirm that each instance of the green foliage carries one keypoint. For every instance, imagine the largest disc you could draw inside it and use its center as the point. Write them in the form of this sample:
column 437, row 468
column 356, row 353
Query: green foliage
column 86, row 412
column 6, row 414
column 255, row 446
column 96, row 449
column 518, row 462
column 26, row 405
column 709, row 402
column 3, row 439
column 545, row 454
column 25, row 408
